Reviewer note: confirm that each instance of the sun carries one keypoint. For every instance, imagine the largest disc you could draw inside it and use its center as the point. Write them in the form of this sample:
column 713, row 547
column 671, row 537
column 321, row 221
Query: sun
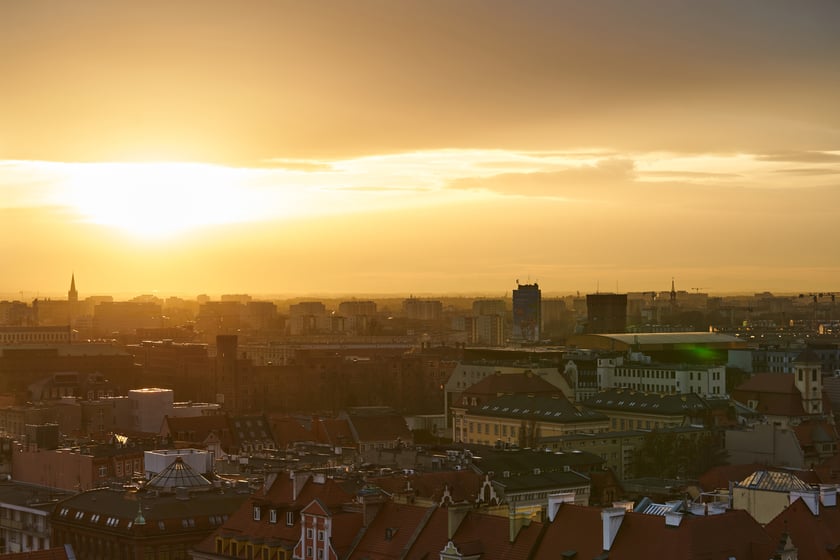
column 159, row 200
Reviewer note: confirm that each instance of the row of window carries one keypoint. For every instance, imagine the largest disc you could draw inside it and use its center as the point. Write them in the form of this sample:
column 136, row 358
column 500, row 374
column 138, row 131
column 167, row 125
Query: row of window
column 272, row 516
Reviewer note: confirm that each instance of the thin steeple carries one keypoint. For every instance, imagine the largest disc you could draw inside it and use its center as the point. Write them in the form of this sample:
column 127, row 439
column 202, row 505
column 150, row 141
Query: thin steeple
column 73, row 295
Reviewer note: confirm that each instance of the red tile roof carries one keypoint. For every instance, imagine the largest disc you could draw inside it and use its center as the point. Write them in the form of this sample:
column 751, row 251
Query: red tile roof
column 432, row 538
column 641, row 536
column 288, row 430
column 478, row 533
column 816, row 537
column 770, row 383
column 775, row 393
column 491, row 534
column 333, row 431
column 279, row 496
column 508, row 383
column 390, row 532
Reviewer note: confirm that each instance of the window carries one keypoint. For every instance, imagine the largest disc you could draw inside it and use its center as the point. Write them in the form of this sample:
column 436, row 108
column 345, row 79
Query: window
column 309, row 552
column 320, row 554
column 813, row 375
column 256, row 513
column 320, row 535
column 309, row 534
column 272, row 516
column 290, row 518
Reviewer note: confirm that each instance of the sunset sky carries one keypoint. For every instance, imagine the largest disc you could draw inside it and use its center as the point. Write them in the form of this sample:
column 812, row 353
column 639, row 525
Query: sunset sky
column 419, row 146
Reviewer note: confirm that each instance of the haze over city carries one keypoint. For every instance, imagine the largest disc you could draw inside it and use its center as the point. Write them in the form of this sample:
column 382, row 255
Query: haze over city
column 419, row 147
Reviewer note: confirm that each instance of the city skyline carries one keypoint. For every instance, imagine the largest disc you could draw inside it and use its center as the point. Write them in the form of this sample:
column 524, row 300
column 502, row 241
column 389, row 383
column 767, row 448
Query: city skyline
column 419, row 147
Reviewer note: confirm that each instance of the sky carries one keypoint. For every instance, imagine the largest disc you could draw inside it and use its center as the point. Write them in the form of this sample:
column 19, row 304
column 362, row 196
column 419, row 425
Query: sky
column 419, row 146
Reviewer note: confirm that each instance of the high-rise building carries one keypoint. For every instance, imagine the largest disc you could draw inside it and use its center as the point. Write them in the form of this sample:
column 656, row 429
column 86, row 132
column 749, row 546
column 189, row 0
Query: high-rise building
column 606, row 313
column 527, row 312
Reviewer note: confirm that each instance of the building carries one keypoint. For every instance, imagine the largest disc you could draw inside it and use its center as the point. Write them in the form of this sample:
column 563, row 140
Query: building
column 25, row 516
column 765, row 494
column 149, row 406
column 522, row 420
column 78, row 468
column 173, row 512
column 672, row 347
column 272, row 522
column 641, row 374
column 422, row 309
column 36, row 335
column 787, row 398
column 527, row 312
column 606, row 313
column 628, row 409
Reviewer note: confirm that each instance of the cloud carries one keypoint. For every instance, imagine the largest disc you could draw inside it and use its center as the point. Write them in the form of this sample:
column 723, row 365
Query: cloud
column 327, row 78
column 577, row 182
column 801, row 157
column 688, row 175
column 296, row 165
column 816, row 171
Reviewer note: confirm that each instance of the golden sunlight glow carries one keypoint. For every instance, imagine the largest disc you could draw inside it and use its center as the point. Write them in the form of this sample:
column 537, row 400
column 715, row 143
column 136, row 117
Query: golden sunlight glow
column 158, row 200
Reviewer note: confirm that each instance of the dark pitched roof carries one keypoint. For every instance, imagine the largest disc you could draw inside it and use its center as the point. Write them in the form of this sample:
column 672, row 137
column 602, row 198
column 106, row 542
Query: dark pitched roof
column 536, row 407
column 380, row 427
column 769, row 383
column 807, row 356
column 648, row 403
column 509, row 383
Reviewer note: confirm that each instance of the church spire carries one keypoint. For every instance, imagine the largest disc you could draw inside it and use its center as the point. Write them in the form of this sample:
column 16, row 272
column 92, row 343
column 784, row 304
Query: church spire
column 73, row 295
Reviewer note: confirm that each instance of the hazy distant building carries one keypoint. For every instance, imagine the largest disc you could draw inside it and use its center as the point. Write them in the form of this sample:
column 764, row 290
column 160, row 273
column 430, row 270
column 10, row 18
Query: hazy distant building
column 487, row 324
column 527, row 312
column 58, row 312
column 126, row 316
column 423, row 309
column 35, row 335
column 606, row 313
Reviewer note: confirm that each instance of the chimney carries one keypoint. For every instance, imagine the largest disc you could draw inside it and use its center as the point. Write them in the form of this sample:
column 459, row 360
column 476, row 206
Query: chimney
column 371, row 500
column 611, row 519
column 298, row 482
column 828, row 495
column 519, row 518
column 455, row 514
column 673, row 519
column 270, row 478
column 810, row 497
column 556, row 500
